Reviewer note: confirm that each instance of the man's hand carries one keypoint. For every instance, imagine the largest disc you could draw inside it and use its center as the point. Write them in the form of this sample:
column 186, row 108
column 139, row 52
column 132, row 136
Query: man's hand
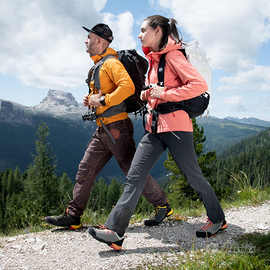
column 85, row 100
column 93, row 100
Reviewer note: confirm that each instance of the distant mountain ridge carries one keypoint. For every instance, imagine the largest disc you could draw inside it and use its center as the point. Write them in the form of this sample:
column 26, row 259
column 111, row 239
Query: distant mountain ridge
column 63, row 104
column 57, row 104
column 223, row 133
column 250, row 121
column 69, row 134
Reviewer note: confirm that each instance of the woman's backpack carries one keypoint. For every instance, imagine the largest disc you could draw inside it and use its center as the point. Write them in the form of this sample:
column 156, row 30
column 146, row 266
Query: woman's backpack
column 194, row 106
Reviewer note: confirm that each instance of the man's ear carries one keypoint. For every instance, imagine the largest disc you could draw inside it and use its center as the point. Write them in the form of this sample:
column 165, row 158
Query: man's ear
column 98, row 40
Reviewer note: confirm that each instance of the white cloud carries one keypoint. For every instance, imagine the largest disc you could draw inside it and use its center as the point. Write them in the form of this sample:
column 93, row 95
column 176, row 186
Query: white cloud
column 230, row 31
column 99, row 4
column 42, row 42
column 236, row 103
column 256, row 79
column 121, row 26
column 263, row 105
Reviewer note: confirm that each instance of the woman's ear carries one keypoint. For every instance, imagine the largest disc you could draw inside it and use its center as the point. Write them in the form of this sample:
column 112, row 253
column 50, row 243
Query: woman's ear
column 158, row 30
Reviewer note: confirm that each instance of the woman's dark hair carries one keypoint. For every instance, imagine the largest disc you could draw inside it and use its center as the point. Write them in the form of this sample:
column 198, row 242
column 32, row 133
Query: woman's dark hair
column 168, row 27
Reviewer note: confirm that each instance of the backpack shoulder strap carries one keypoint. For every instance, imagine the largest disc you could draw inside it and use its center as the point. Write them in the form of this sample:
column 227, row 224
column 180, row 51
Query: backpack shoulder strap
column 183, row 51
column 161, row 66
column 95, row 73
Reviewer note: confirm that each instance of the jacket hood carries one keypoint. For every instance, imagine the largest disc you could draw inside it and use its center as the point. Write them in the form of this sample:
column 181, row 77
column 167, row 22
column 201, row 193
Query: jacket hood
column 171, row 46
column 97, row 57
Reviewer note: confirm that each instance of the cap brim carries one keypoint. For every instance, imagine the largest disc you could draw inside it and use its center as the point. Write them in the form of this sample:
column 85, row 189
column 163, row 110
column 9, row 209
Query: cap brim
column 86, row 29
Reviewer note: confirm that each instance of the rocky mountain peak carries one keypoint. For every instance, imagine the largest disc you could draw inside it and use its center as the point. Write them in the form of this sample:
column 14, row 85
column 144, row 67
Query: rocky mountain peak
column 58, row 98
column 6, row 106
column 59, row 103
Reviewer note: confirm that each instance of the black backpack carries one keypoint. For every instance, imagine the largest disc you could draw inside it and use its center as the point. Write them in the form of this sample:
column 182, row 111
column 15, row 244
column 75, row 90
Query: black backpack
column 136, row 67
column 194, row 107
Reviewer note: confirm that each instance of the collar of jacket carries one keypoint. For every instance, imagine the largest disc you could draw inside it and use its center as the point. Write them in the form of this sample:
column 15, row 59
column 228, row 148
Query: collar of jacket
column 97, row 57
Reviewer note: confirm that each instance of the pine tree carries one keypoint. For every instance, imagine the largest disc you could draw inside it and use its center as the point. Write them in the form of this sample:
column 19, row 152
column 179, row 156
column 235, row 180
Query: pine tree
column 93, row 201
column 14, row 182
column 41, row 184
column 102, row 194
column 97, row 201
column 1, row 218
column 3, row 199
column 113, row 194
column 14, row 204
column 18, row 184
column 65, row 189
column 4, row 184
column 143, row 206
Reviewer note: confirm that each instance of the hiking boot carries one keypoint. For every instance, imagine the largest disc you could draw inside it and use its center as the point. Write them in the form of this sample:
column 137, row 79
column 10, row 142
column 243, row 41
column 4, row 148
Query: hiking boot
column 161, row 212
column 210, row 229
column 109, row 237
column 66, row 220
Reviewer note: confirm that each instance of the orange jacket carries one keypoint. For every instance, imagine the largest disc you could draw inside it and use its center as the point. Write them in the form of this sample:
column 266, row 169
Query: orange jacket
column 183, row 82
column 115, row 83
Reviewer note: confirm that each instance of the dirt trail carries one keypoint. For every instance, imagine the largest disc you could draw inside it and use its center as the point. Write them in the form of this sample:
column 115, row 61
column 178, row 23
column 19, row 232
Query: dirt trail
column 64, row 249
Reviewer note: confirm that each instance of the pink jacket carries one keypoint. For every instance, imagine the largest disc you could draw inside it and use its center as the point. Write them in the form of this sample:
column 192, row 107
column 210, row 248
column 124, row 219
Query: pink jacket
column 182, row 80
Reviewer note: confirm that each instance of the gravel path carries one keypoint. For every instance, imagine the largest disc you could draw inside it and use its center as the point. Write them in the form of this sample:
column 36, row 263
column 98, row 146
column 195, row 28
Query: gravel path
column 60, row 248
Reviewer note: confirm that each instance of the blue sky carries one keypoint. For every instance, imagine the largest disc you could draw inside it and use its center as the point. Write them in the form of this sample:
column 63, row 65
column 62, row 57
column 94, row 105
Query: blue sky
column 42, row 46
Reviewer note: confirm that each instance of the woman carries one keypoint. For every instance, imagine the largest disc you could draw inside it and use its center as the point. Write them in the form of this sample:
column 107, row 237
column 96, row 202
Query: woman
column 174, row 131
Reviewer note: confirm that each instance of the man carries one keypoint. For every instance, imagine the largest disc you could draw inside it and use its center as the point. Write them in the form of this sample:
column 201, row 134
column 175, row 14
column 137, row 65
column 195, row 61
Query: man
column 113, row 136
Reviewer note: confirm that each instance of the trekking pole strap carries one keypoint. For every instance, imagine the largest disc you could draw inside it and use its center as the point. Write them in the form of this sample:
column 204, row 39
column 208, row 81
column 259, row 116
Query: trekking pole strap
column 108, row 132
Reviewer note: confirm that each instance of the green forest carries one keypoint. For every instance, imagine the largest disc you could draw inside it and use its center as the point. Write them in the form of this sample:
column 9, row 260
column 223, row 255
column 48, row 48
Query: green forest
column 27, row 197
column 251, row 157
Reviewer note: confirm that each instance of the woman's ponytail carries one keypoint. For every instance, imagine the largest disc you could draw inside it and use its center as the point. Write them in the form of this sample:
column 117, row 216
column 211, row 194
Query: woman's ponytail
column 168, row 27
column 174, row 33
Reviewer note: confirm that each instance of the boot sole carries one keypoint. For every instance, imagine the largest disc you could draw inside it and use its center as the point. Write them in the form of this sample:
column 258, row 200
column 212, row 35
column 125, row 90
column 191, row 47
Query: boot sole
column 72, row 227
column 110, row 244
column 75, row 227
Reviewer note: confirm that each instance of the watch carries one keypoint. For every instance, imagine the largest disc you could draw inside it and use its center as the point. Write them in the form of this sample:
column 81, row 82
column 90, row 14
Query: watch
column 102, row 100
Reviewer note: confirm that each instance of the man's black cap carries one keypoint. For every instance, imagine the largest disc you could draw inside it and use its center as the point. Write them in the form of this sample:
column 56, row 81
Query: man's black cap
column 102, row 30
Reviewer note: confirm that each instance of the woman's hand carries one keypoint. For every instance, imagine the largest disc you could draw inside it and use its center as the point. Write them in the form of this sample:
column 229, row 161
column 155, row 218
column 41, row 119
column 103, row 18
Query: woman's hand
column 143, row 96
column 156, row 91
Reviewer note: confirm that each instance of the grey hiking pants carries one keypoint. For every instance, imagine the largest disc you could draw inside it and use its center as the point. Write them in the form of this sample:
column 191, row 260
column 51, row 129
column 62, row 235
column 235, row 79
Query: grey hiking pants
column 98, row 153
column 150, row 148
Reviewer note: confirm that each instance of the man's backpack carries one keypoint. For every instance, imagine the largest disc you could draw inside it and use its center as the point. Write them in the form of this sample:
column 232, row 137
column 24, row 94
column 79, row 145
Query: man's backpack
column 136, row 67
column 194, row 106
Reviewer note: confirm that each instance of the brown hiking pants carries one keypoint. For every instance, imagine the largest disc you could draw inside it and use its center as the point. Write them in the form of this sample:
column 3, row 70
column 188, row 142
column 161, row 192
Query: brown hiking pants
column 98, row 153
